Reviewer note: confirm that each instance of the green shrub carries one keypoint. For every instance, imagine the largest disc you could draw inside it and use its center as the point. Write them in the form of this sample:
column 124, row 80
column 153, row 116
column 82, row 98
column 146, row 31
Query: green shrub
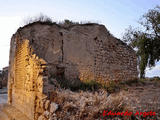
column 112, row 86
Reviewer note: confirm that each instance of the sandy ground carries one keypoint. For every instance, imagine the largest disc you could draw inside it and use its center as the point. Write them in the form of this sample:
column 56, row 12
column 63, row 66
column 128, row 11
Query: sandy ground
column 145, row 97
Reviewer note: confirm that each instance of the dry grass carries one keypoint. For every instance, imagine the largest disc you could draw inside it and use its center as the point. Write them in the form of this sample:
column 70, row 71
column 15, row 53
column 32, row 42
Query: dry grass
column 44, row 19
column 40, row 18
column 86, row 105
column 89, row 100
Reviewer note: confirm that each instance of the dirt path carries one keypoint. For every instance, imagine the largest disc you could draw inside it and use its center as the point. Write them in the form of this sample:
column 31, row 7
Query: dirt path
column 144, row 97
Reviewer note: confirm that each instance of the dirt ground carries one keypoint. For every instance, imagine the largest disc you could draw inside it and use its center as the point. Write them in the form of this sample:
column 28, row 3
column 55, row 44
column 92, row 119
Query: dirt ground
column 141, row 97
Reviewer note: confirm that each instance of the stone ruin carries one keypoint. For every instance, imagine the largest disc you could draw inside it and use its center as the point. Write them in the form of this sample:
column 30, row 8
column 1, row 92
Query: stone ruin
column 77, row 53
column 4, row 77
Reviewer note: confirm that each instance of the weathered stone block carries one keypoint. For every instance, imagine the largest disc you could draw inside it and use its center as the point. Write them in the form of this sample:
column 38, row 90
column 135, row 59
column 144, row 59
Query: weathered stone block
column 53, row 107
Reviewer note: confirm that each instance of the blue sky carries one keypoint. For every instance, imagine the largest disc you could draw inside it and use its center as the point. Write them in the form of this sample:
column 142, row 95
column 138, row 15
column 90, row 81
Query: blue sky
column 116, row 15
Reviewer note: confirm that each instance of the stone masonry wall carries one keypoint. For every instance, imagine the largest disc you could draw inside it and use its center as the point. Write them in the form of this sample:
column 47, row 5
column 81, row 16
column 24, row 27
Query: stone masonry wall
column 26, row 79
column 4, row 76
column 92, row 53
column 86, row 52
column 79, row 52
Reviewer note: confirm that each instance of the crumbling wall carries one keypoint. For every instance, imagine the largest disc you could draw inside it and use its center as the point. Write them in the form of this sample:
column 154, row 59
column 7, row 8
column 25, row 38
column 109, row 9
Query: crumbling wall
column 27, row 78
column 114, row 60
column 91, row 53
column 85, row 52
column 78, row 53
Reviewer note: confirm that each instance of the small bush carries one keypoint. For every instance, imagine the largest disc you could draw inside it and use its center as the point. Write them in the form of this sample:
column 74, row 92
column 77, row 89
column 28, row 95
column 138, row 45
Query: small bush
column 75, row 85
column 88, row 85
column 155, row 78
column 112, row 86
column 40, row 18
column 44, row 19
column 130, row 82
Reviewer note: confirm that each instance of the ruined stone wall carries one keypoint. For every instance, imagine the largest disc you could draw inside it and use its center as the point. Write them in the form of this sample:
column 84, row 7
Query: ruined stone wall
column 5, row 76
column 79, row 52
column 26, row 78
column 86, row 52
column 114, row 60
column 92, row 53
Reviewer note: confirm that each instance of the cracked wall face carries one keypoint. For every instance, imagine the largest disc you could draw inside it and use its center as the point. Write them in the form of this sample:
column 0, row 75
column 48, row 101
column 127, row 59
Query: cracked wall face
column 91, row 53
column 26, row 83
column 86, row 52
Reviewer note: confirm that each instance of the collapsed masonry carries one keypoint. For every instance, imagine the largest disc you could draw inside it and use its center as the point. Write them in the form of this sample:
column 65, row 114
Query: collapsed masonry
column 77, row 53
